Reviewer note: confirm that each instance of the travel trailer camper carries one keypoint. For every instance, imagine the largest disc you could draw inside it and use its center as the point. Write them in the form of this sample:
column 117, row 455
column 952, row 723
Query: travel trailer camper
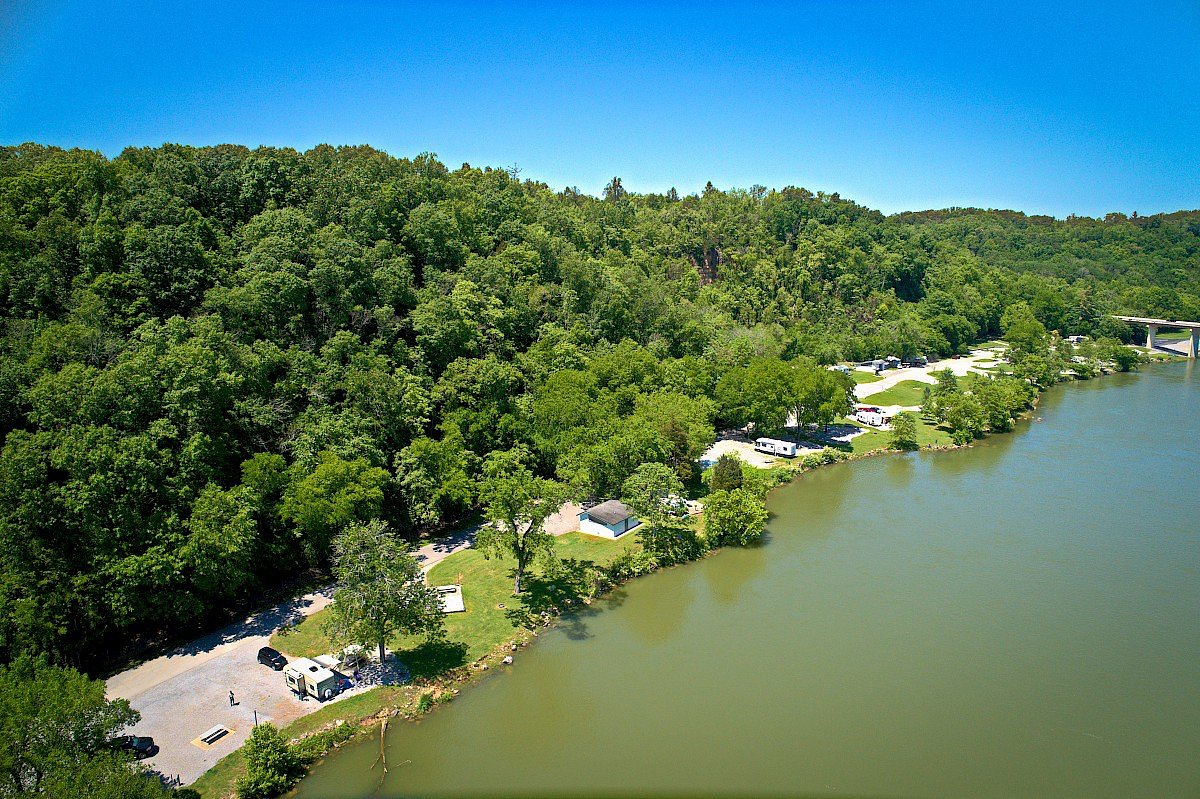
column 773, row 446
column 309, row 678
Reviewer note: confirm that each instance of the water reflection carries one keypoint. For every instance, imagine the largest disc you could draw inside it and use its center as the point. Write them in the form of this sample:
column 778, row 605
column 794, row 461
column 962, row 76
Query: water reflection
column 729, row 572
column 900, row 469
column 671, row 592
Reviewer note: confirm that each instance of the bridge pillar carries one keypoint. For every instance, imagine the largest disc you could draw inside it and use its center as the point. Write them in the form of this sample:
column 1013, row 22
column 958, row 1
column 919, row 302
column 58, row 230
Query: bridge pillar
column 1151, row 332
column 1194, row 344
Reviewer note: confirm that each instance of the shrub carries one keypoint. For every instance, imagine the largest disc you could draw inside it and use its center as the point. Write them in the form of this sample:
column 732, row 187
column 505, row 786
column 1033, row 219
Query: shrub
column 727, row 473
column 830, row 455
column 760, row 481
column 811, row 461
column 310, row 748
column 671, row 541
column 631, row 564
column 272, row 767
column 734, row 517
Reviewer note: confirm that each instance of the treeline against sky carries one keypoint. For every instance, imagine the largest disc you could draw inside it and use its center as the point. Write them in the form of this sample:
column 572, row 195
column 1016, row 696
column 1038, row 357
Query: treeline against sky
column 213, row 359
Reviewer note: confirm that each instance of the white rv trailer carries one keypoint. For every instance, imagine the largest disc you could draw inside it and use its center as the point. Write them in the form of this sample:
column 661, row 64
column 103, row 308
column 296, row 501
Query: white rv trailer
column 869, row 414
column 773, row 446
column 306, row 676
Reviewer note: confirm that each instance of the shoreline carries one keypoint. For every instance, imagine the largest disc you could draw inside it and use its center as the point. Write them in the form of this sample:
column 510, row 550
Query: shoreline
column 331, row 727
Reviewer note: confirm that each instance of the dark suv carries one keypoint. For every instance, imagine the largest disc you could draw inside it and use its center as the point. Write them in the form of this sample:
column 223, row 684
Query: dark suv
column 142, row 746
column 269, row 657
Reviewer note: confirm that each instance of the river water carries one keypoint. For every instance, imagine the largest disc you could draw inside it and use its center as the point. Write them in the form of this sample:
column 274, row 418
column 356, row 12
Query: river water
column 1021, row 618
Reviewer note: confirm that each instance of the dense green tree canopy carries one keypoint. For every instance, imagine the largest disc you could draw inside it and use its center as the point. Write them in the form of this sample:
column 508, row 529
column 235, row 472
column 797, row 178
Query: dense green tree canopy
column 214, row 360
column 55, row 726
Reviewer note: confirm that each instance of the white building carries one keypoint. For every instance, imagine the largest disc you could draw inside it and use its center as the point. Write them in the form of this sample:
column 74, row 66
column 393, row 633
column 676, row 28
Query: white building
column 611, row 519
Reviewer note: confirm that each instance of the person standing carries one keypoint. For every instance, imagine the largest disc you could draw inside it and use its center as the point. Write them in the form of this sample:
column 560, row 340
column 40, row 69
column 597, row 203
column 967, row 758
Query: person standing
column 231, row 702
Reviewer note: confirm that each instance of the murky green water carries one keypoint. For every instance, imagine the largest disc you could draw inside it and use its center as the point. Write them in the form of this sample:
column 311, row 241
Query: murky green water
column 1017, row 619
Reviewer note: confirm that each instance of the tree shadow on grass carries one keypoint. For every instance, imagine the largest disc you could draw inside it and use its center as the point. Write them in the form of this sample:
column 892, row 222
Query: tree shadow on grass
column 433, row 658
column 560, row 588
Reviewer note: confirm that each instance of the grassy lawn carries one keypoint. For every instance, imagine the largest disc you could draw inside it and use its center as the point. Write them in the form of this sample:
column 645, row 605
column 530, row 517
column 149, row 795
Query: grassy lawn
column 906, row 392
column 998, row 369
column 930, row 435
column 869, row 441
column 484, row 625
column 864, row 377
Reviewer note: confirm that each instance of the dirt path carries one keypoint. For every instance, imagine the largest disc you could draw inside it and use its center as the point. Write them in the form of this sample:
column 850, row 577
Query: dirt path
column 433, row 553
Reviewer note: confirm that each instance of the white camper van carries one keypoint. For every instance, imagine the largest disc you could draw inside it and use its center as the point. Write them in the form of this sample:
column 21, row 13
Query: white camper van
column 307, row 677
column 773, row 446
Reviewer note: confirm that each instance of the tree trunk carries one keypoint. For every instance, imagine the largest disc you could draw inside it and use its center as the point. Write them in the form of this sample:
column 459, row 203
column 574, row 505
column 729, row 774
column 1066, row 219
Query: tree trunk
column 522, row 556
column 381, row 652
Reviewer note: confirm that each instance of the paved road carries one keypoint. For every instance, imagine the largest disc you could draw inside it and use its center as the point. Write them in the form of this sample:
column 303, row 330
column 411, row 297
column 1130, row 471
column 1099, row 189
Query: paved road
column 924, row 374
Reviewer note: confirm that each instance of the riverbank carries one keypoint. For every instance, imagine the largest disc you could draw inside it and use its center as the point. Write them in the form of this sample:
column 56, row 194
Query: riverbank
column 432, row 687
column 1012, row 618
column 441, row 672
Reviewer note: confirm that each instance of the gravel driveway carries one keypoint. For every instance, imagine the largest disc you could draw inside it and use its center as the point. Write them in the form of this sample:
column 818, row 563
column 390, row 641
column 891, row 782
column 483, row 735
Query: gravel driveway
column 185, row 692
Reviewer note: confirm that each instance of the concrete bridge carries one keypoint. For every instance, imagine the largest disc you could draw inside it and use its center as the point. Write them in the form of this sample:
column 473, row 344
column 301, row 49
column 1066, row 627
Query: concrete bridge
column 1152, row 326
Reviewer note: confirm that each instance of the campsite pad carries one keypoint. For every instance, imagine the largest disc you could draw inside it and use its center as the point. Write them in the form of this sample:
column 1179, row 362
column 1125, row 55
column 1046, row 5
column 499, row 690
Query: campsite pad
column 452, row 598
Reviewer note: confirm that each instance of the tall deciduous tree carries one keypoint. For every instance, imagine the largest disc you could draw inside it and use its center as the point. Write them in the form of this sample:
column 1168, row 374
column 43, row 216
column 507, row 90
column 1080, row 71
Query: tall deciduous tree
column 332, row 496
column 727, row 473
column 381, row 590
column 518, row 503
column 654, row 492
column 761, row 394
column 55, row 722
column 820, row 395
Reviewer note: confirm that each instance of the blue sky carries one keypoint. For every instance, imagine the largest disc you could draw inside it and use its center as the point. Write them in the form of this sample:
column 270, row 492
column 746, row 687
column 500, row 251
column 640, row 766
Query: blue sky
column 1079, row 108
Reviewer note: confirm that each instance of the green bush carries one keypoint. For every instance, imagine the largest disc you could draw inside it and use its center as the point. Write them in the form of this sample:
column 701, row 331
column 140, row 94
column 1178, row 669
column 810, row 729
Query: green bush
column 734, row 517
column 630, row 564
column 727, row 473
column 760, row 481
column 314, row 746
column 272, row 767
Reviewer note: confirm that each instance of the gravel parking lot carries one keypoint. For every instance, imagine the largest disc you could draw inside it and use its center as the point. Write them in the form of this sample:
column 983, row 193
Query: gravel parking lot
column 179, row 710
column 186, row 692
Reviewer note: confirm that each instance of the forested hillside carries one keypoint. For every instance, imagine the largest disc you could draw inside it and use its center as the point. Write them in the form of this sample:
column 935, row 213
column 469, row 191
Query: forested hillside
column 213, row 359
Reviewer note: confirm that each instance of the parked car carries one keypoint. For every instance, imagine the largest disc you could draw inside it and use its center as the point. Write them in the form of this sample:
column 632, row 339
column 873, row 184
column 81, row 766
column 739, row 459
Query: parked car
column 142, row 746
column 269, row 657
